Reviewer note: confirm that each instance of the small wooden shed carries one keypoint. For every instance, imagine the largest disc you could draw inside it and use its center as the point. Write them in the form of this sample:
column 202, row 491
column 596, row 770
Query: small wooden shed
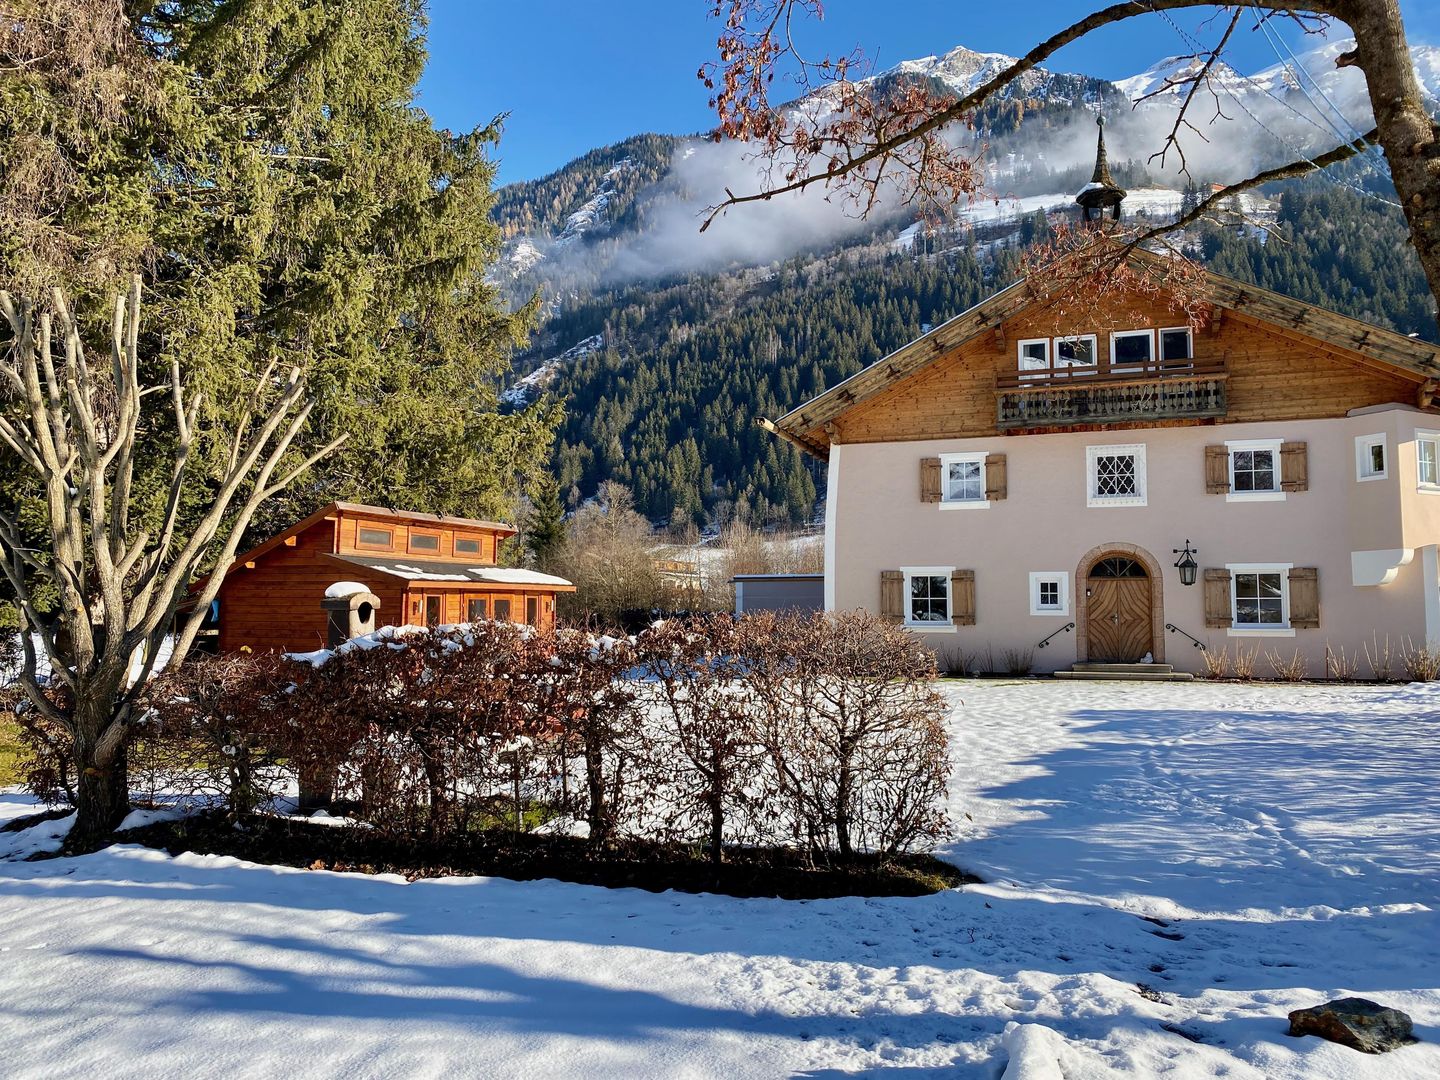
column 422, row 569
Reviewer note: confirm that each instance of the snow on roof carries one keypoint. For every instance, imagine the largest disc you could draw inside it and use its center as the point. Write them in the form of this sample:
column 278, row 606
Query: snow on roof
column 345, row 588
column 438, row 570
column 506, row 575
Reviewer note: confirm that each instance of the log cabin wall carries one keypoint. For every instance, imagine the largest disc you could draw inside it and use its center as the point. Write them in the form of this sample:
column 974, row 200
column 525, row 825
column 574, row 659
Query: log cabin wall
column 275, row 607
column 1273, row 375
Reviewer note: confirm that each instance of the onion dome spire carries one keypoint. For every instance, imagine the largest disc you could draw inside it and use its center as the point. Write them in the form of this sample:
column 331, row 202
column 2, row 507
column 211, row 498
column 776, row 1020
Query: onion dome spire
column 1102, row 193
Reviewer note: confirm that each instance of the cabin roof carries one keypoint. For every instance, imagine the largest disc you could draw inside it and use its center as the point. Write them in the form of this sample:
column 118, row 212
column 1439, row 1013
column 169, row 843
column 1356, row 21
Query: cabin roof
column 449, row 573
column 359, row 510
column 1414, row 357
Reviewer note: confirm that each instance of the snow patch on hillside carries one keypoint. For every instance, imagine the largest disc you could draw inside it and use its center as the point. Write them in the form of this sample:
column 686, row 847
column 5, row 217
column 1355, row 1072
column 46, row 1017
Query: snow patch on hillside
column 530, row 386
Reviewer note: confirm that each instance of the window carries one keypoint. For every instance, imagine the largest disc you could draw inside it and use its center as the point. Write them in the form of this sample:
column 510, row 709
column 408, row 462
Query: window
column 1034, row 353
column 1370, row 460
column 1427, row 460
column 433, row 609
column 1255, row 471
column 1176, row 346
column 1260, row 598
column 467, row 545
column 1050, row 593
column 1129, row 347
column 426, row 542
column 532, row 610
column 962, row 481
column 374, row 538
column 475, row 609
column 502, row 610
column 1116, row 475
column 927, row 597
column 1077, row 351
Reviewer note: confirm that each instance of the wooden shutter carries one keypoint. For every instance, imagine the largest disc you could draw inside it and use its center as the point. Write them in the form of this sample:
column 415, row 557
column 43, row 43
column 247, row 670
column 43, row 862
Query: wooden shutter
column 1217, row 470
column 930, row 479
column 962, row 597
column 996, row 481
column 892, row 595
column 1294, row 467
column 1217, row 597
column 1304, row 598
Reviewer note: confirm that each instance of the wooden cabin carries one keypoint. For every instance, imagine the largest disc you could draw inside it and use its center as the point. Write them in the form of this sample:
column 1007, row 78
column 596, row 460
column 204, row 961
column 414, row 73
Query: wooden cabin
column 420, row 569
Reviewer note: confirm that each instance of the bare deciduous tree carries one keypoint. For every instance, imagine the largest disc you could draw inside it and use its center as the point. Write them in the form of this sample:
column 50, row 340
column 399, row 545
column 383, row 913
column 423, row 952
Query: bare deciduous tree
column 74, row 431
column 874, row 133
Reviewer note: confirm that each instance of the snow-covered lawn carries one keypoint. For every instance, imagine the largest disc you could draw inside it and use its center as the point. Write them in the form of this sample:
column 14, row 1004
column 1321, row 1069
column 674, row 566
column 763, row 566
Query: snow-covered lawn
column 1289, row 838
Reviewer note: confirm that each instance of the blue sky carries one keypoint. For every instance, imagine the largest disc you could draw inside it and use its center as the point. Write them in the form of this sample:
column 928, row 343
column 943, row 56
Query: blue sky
column 574, row 74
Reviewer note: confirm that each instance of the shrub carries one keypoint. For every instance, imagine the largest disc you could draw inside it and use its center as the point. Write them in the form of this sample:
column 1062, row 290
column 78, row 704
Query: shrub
column 1338, row 665
column 1217, row 664
column 1380, row 658
column 1245, row 663
column 1287, row 670
column 1421, row 663
column 1019, row 661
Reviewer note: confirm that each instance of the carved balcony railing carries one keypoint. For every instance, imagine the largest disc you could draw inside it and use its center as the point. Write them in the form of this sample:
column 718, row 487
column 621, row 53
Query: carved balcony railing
column 1067, row 398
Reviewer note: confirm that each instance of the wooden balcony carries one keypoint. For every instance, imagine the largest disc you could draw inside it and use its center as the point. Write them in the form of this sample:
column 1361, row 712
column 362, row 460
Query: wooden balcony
column 1063, row 397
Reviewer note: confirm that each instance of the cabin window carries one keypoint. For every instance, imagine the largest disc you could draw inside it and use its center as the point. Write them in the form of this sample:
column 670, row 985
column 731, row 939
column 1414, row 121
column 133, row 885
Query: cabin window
column 1371, row 462
column 532, row 610
column 502, row 610
column 1116, row 475
column 927, row 596
column 962, row 480
column 1035, row 354
column 1076, row 351
column 1176, row 345
column 375, row 538
column 1427, row 459
column 1050, row 593
column 1129, row 347
column 1260, row 597
column 425, row 542
column 467, row 545
column 434, row 610
column 1254, row 470
column 475, row 609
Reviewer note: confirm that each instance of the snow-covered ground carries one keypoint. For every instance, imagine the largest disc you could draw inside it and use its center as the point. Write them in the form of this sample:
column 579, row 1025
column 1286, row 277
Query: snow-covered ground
column 1288, row 838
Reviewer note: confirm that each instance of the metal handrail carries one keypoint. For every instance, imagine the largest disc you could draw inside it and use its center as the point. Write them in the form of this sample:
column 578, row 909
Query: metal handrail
column 1198, row 643
column 1067, row 626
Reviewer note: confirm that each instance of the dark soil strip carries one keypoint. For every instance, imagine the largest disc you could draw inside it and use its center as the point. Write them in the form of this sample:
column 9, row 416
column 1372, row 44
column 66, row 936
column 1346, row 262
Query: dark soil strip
column 635, row 864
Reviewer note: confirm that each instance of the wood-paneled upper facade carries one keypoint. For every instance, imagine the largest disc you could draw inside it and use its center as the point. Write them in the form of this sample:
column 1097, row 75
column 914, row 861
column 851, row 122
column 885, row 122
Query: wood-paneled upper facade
column 425, row 569
column 1002, row 368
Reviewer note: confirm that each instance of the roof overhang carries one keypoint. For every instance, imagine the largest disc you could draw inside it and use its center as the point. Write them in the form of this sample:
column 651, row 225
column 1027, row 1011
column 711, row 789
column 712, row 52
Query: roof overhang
column 446, row 574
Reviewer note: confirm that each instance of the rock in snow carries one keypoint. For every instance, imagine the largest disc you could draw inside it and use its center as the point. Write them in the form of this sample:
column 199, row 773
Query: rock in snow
column 1359, row 1023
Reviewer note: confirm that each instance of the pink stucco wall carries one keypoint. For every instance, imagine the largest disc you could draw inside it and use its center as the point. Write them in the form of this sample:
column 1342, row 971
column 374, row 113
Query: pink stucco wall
column 876, row 521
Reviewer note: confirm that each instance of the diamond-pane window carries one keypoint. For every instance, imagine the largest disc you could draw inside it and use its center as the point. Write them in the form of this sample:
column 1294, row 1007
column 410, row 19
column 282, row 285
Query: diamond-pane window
column 1115, row 476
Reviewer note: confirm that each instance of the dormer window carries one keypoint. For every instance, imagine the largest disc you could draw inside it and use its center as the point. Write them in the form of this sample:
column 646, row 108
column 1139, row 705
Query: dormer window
column 375, row 539
column 424, row 543
column 467, row 545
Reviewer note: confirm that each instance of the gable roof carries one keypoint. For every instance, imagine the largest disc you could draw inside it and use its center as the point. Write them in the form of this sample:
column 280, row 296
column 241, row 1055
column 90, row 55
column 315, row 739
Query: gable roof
column 1412, row 356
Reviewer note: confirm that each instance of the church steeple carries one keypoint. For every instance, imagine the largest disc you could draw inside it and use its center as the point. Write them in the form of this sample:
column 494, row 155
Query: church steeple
column 1102, row 193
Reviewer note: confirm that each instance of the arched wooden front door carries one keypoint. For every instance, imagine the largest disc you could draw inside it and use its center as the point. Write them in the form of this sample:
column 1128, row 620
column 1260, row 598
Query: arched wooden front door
column 1118, row 615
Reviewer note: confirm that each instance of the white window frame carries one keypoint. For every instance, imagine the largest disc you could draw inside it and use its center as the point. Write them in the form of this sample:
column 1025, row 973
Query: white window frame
column 1094, row 352
column 1133, row 365
column 947, row 503
column 1160, row 343
column 948, row 626
column 1283, row 629
column 1422, row 436
column 1059, row 578
column 1093, row 453
column 1275, row 494
column 1363, row 445
column 1020, row 357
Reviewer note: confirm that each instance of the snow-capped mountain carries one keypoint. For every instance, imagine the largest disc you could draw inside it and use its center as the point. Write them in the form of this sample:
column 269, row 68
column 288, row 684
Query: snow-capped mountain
column 963, row 70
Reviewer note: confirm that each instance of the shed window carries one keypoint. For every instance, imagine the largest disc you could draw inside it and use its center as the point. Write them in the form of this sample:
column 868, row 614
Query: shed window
column 424, row 541
column 433, row 610
column 532, row 610
column 467, row 545
column 375, row 538
column 502, row 610
column 475, row 610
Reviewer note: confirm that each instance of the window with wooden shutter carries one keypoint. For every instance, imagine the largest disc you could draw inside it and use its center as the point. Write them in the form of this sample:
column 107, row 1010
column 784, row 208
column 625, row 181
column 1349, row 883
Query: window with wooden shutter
column 1294, row 466
column 1304, row 597
column 1217, row 470
column 1217, row 597
column 962, row 597
column 930, row 479
column 892, row 595
column 996, row 480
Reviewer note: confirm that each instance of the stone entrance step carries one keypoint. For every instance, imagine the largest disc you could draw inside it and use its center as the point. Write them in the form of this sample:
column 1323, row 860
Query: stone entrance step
column 1125, row 673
